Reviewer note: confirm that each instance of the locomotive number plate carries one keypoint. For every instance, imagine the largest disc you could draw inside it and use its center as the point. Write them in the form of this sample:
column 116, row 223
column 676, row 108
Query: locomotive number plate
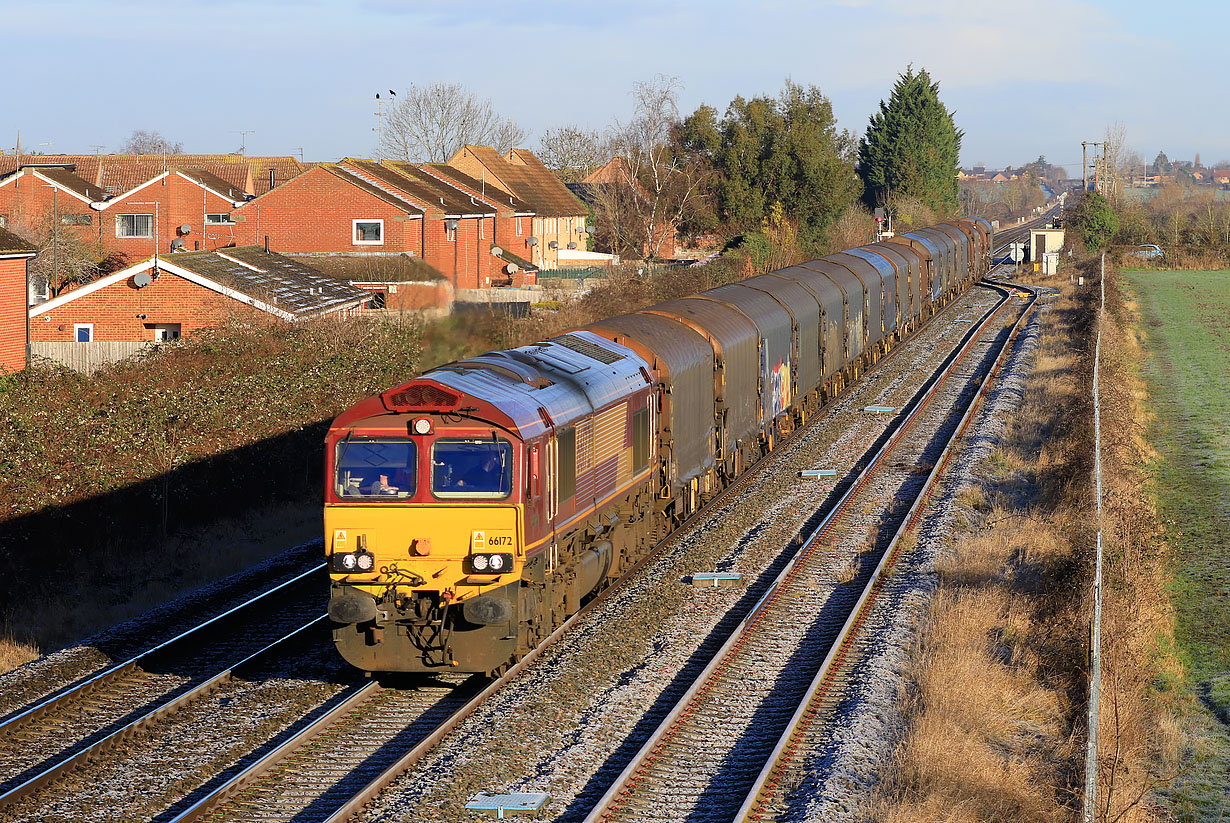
column 484, row 540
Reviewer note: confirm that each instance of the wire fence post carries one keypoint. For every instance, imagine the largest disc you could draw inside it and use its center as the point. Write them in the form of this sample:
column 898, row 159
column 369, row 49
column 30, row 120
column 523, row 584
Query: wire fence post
column 1095, row 642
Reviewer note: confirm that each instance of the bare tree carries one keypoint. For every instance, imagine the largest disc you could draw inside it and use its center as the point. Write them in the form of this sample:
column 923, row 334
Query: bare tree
column 144, row 141
column 430, row 123
column 573, row 153
column 657, row 183
column 63, row 258
column 1116, row 157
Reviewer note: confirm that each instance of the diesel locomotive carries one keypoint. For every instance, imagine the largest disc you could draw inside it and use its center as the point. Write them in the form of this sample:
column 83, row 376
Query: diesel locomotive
column 473, row 509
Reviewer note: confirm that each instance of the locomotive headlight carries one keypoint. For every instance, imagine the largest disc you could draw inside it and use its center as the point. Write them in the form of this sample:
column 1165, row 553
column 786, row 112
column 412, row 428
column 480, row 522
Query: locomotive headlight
column 479, row 562
column 497, row 562
column 365, row 561
column 349, row 562
column 422, row 425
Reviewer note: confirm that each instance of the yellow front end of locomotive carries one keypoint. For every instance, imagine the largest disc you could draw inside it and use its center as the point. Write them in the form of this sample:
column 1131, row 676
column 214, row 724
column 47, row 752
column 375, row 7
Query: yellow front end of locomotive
column 458, row 551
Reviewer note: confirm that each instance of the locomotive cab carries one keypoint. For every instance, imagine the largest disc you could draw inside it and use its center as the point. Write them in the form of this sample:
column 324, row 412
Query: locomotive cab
column 424, row 532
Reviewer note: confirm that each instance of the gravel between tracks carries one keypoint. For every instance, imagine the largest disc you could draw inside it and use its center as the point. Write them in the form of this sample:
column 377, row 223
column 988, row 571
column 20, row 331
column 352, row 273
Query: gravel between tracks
column 160, row 769
column 570, row 723
column 844, row 769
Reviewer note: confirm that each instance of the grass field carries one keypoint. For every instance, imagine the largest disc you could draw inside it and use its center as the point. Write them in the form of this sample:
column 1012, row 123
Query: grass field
column 1186, row 335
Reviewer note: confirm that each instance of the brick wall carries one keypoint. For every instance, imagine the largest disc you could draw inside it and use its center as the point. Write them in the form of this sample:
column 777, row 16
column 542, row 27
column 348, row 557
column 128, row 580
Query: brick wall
column 315, row 211
column 12, row 314
column 114, row 311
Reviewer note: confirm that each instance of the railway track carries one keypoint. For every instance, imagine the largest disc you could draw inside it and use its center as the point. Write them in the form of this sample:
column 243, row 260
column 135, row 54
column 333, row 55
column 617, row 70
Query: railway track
column 695, row 764
column 313, row 774
column 43, row 742
column 311, row 778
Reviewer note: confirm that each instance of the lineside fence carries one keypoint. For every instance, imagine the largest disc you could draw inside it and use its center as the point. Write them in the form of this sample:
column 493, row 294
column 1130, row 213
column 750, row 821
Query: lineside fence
column 1095, row 634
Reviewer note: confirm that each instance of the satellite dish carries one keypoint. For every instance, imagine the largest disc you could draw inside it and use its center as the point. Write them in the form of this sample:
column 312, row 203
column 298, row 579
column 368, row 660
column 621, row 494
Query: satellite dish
column 497, row 251
column 142, row 279
column 185, row 229
column 177, row 244
column 513, row 268
column 532, row 241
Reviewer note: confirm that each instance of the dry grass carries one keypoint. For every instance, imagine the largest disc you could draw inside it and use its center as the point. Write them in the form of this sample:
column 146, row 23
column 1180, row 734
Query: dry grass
column 14, row 653
column 996, row 676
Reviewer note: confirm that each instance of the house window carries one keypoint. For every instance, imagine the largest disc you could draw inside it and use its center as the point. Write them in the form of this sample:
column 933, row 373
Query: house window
column 134, row 225
column 83, row 332
column 367, row 232
column 4, row 222
column 481, row 232
column 217, row 219
column 76, row 219
column 519, row 228
column 450, row 234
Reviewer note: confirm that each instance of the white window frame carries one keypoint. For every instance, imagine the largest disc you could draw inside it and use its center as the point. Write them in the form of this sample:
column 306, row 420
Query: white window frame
column 225, row 221
column 77, row 327
column 519, row 227
column 354, row 232
column 450, row 235
column 482, row 234
column 119, row 221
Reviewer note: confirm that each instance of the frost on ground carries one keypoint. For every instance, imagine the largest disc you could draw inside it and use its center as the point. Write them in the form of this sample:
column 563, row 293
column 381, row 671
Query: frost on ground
column 843, row 774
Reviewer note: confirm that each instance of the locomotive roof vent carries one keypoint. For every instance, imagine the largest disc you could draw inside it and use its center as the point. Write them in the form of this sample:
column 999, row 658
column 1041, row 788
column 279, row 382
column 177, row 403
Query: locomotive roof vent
column 417, row 396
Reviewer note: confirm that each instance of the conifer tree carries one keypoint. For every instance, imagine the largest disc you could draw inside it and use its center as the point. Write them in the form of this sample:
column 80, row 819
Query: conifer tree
column 912, row 147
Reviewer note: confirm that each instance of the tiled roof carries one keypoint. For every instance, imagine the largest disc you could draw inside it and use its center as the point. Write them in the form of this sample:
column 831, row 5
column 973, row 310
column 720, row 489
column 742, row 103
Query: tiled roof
column 286, row 284
column 11, row 243
column 404, row 177
column 527, row 178
column 213, row 181
column 239, row 171
column 475, row 186
column 66, row 179
column 383, row 193
column 373, row 268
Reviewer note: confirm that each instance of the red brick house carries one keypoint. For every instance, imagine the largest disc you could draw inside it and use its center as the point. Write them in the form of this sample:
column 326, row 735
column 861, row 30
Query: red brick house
column 188, row 208
column 15, row 255
column 559, row 218
column 358, row 207
column 513, row 221
column 168, row 296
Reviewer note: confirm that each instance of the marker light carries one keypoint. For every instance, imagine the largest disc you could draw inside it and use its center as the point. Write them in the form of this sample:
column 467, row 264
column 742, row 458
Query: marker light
column 422, row 425
column 365, row 561
column 348, row 561
column 479, row 561
column 497, row 562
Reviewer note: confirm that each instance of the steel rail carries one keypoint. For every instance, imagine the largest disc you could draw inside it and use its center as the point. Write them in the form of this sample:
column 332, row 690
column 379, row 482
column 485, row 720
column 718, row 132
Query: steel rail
column 770, row 777
column 109, row 675
column 723, row 657
column 147, row 720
